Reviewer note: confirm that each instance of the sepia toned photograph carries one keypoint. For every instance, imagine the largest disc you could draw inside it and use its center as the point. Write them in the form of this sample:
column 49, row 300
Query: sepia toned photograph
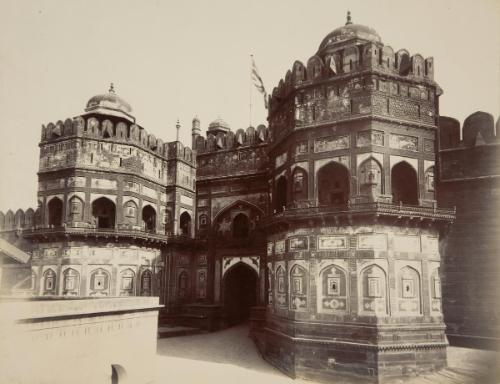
column 249, row 191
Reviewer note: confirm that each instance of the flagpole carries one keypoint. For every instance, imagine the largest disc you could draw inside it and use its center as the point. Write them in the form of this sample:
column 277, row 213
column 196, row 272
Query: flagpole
column 250, row 94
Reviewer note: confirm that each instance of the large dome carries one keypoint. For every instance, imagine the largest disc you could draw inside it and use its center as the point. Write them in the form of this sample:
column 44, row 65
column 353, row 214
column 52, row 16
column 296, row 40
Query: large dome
column 350, row 31
column 110, row 103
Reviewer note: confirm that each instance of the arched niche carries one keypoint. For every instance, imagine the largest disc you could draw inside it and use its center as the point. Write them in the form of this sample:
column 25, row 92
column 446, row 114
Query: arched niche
column 333, row 184
column 404, row 184
column 75, row 205
column 373, row 291
column 182, row 285
column 71, row 282
column 99, row 282
column 127, row 282
column 299, row 281
column 332, row 290
column 130, row 212
column 408, row 288
column 370, row 177
column 299, row 184
column 146, row 283
column 49, row 282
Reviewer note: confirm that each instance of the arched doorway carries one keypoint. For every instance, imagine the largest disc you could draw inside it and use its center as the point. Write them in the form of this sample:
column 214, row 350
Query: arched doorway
column 185, row 224
column 55, row 208
column 104, row 211
column 404, row 184
column 333, row 184
column 149, row 218
column 240, row 292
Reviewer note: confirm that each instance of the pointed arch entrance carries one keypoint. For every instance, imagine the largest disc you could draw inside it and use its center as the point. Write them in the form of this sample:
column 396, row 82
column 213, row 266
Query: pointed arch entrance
column 404, row 184
column 240, row 292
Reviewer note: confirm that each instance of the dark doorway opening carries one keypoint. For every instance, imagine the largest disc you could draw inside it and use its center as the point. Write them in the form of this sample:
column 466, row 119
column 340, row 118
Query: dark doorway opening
column 149, row 218
column 404, row 184
column 281, row 194
column 185, row 224
column 104, row 212
column 240, row 293
column 55, row 207
column 333, row 184
column 240, row 226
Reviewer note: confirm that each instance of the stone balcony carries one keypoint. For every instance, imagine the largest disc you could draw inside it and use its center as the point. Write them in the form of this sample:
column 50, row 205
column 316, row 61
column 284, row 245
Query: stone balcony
column 347, row 214
column 112, row 234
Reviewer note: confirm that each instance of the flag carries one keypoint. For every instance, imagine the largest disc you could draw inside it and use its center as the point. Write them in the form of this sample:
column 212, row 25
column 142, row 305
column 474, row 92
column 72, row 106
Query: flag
column 257, row 81
column 333, row 66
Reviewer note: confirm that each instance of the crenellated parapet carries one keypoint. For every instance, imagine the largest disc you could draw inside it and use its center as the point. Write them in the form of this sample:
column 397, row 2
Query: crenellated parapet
column 354, row 75
column 21, row 219
column 231, row 140
column 101, row 127
column 471, row 151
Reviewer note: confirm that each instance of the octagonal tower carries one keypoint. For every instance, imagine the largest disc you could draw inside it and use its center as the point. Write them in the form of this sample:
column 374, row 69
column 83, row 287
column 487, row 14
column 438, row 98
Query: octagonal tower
column 111, row 198
column 353, row 258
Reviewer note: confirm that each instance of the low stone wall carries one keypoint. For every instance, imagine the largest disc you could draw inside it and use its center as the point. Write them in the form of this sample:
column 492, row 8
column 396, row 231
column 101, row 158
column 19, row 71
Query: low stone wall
column 78, row 340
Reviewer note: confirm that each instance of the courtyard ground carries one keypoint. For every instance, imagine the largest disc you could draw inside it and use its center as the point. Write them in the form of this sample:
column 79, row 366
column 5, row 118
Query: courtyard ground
column 229, row 356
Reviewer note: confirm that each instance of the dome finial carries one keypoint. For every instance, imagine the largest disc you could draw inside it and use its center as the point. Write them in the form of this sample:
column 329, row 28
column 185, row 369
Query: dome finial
column 178, row 127
column 111, row 88
column 349, row 21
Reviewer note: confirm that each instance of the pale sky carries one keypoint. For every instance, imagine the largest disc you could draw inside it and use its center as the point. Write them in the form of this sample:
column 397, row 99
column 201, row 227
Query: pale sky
column 178, row 59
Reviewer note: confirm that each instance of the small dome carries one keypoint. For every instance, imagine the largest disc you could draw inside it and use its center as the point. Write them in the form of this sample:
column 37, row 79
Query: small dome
column 350, row 31
column 111, row 104
column 218, row 125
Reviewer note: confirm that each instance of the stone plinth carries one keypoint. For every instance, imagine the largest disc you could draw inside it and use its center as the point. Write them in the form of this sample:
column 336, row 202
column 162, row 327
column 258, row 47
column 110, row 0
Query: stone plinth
column 78, row 340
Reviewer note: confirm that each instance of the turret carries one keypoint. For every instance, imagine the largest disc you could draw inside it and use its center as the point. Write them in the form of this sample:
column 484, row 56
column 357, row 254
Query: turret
column 195, row 131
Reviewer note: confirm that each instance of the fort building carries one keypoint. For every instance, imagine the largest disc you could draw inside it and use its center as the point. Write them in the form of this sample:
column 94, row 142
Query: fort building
column 327, row 228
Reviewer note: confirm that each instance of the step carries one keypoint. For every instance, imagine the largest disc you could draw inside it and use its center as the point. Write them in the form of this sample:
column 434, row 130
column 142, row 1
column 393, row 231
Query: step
column 174, row 331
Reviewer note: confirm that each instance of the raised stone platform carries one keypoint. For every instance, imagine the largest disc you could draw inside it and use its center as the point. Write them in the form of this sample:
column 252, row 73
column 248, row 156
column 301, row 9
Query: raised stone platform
column 78, row 340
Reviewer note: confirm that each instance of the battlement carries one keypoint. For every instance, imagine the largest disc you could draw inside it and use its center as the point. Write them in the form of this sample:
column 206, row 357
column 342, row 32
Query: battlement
column 110, row 128
column 231, row 140
column 478, row 129
column 11, row 221
column 354, row 58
